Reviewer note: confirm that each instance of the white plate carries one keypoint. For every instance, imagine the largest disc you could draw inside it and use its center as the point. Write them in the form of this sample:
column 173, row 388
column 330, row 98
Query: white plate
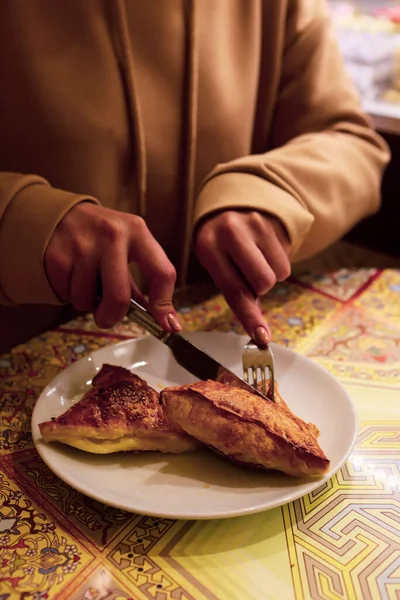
column 196, row 485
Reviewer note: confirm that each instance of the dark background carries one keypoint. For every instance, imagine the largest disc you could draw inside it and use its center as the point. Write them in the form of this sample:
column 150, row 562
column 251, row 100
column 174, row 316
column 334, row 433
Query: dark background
column 381, row 232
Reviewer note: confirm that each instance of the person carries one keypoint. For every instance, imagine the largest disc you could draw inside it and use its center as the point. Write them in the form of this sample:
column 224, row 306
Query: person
column 166, row 134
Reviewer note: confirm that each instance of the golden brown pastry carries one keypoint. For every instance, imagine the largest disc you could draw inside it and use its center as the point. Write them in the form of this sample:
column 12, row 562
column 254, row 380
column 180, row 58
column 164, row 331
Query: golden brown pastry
column 246, row 429
column 120, row 412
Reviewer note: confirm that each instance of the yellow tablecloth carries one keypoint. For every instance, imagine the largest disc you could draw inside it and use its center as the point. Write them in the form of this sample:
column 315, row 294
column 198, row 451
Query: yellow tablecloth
column 340, row 542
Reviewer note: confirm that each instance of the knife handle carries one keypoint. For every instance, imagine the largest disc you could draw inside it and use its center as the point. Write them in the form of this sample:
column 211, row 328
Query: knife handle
column 142, row 317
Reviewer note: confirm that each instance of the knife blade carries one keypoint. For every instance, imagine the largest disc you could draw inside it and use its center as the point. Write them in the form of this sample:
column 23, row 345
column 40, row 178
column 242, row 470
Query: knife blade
column 186, row 354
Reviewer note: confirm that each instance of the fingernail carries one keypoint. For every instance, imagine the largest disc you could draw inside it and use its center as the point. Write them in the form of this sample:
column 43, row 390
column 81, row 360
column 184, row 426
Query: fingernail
column 262, row 336
column 174, row 322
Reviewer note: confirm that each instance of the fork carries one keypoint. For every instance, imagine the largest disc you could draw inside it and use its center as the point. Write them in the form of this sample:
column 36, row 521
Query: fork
column 255, row 358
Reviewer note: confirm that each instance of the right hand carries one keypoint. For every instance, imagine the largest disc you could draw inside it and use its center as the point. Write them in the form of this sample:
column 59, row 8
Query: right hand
column 94, row 245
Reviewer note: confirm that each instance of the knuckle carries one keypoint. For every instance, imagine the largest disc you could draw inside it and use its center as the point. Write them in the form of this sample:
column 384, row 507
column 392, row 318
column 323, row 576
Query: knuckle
column 233, row 290
column 84, row 298
column 259, row 222
column 82, row 304
column 260, row 287
column 164, row 273
column 228, row 223
column 111, row 230
column 82, row 249
column 119, row 302
column 283, row 271
column 113, row 310
column 265, row 282
column 137, row 223
column 204, row 244
column 103, row 321
column 248, row 316
column 162, row 305
column 247, row 311
column 169, row 273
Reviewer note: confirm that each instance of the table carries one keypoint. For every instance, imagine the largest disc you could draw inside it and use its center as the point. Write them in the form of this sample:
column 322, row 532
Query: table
column 340, row 542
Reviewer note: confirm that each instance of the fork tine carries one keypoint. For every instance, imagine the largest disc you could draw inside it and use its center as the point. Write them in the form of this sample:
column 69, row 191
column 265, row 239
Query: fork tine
column 272, row 384
column 255, row 358
column 264, row 383
column 254, row 373
column 271, row 374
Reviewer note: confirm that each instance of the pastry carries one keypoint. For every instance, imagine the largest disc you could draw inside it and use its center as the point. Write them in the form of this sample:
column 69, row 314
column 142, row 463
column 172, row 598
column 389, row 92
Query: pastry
column 120, row 412
column 244, row 428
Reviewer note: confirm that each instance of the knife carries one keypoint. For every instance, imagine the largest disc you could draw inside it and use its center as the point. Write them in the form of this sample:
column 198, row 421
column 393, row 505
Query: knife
column 191, row 358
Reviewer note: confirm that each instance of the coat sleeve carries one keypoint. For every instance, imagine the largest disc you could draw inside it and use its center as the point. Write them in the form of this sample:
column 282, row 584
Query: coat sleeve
column 324, row 169
column 29, row 212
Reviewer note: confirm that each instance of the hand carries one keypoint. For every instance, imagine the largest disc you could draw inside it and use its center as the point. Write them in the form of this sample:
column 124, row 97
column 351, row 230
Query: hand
column 88, row 255
column 246, row 253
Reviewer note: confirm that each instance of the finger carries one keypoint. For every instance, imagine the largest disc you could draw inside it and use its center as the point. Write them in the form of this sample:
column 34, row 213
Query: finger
column 239, row 297
column 282, row 235
column 137, row 294
column 84, row 280
column 254, row 266
column 273, row 252
column 271, row 238
column 116, row 286
column 160, row 275
column 58, row 267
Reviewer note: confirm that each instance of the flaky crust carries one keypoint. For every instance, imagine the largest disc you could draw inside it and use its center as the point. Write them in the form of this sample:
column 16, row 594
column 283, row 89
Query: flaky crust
column 120, row 412
column 245, row 428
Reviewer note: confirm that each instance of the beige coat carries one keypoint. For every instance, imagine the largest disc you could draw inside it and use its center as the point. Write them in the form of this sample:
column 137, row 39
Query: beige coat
column 173, row 109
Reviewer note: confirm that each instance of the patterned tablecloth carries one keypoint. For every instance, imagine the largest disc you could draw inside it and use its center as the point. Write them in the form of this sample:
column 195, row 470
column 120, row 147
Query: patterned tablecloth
column 340, row 542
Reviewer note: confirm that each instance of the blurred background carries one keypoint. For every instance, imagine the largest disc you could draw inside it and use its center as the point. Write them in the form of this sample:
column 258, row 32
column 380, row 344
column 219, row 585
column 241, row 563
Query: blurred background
column 368, row 32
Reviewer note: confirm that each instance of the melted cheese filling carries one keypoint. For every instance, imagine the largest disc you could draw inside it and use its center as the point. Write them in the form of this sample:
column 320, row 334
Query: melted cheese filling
column 127, row 443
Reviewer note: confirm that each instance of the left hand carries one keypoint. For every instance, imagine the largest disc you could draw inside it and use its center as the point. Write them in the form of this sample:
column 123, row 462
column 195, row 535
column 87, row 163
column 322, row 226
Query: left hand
column 246, row 253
